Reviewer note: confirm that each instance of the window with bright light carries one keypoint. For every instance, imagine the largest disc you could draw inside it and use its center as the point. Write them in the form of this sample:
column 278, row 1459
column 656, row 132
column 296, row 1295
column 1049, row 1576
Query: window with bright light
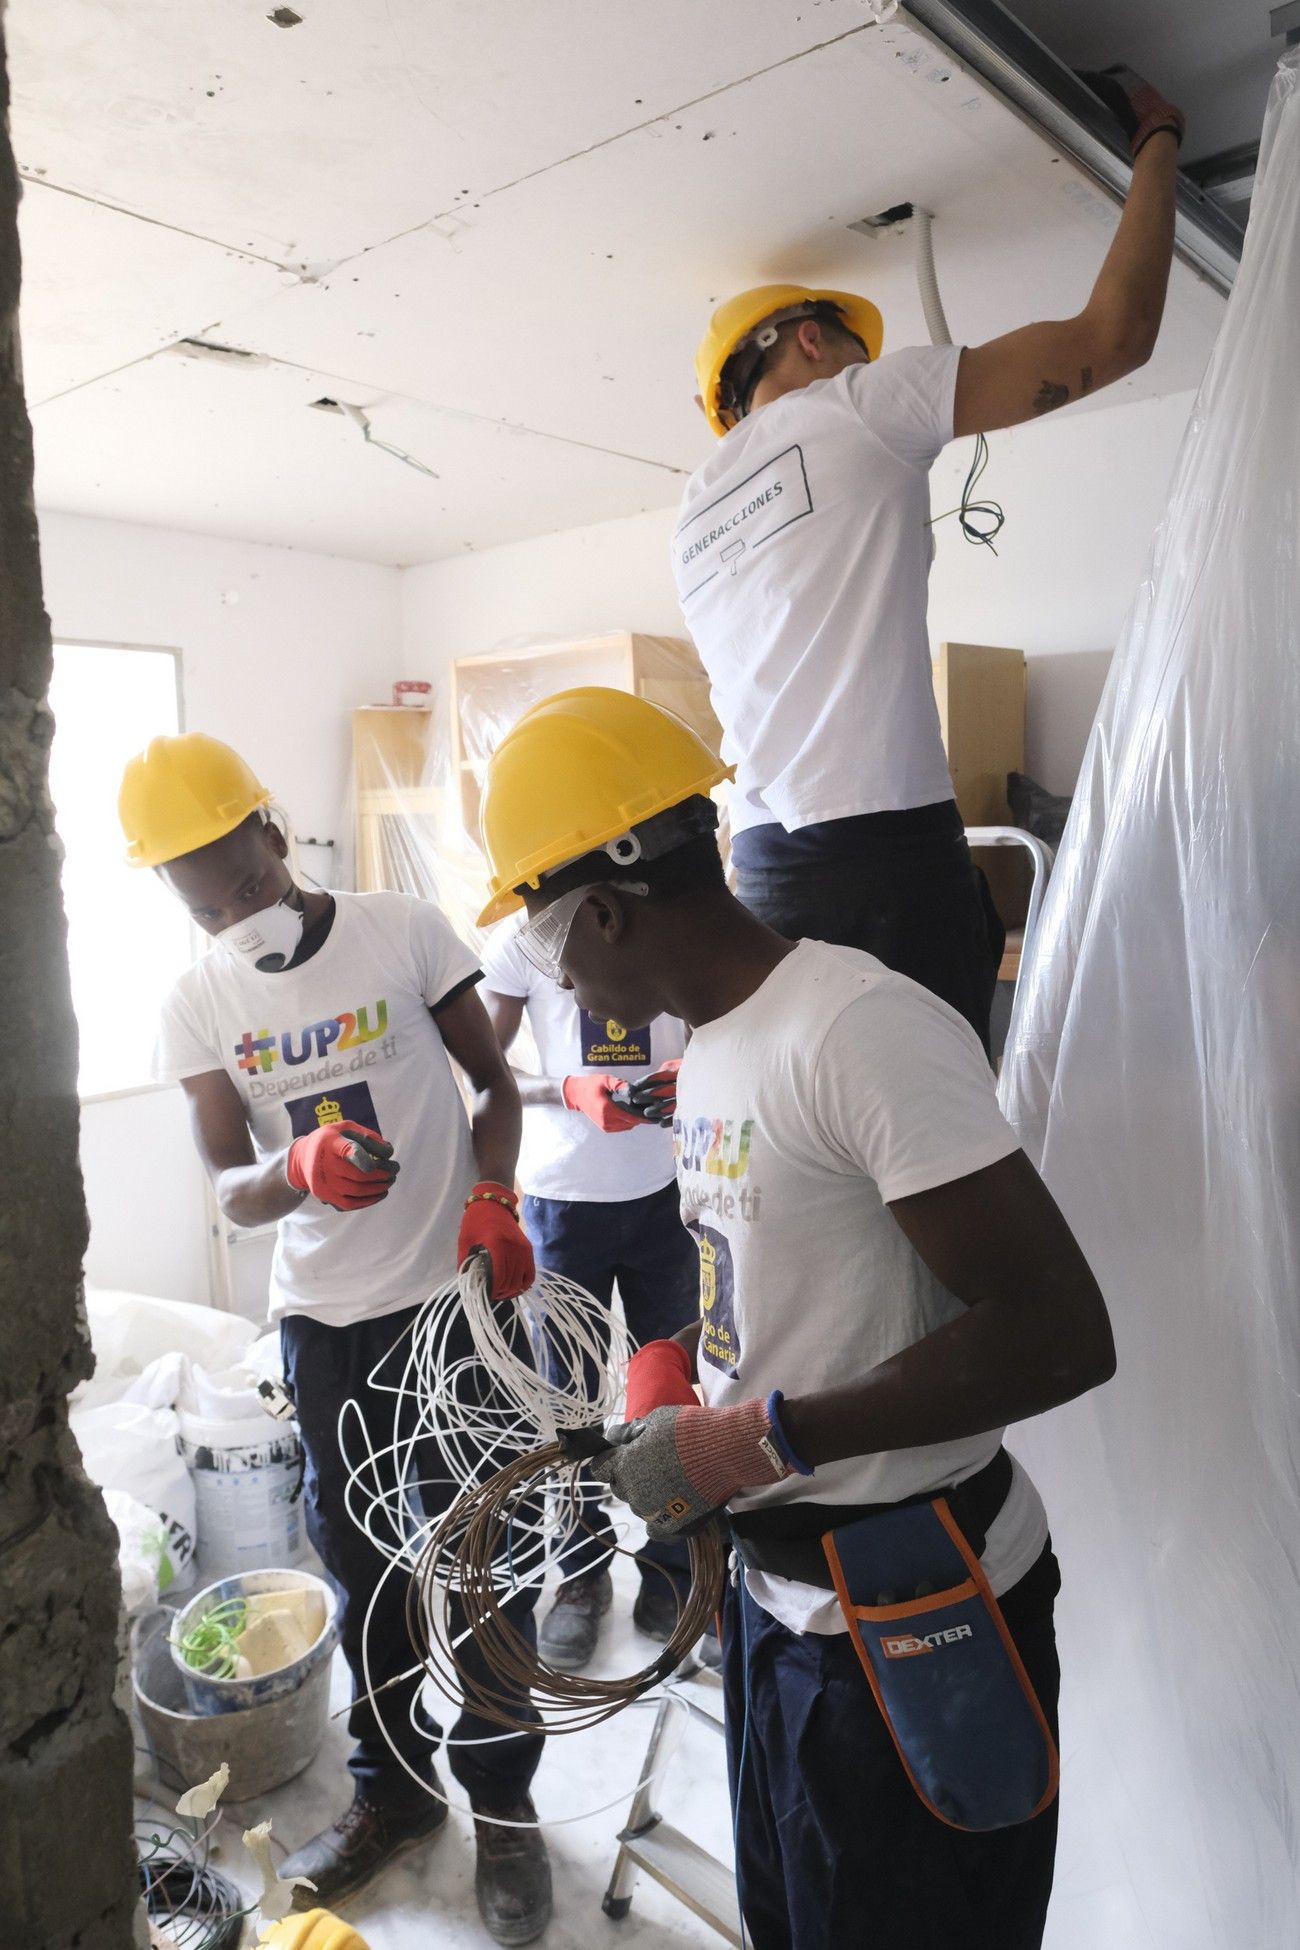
column 128, row 940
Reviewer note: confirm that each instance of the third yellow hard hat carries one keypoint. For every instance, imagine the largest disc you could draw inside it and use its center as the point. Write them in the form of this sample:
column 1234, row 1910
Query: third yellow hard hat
column 734, row 320
column 577, row 770
column 312, row 1929
column 182, row 793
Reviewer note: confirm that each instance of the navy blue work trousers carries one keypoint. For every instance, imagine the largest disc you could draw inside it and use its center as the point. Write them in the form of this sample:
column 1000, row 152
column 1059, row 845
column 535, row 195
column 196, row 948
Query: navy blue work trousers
column 836, row 1850
column 324, row 1368
column 902, row 886
column 642, row 1244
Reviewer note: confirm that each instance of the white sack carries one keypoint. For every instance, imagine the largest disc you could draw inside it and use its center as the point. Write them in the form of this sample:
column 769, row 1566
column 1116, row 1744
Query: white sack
column 128, row 1447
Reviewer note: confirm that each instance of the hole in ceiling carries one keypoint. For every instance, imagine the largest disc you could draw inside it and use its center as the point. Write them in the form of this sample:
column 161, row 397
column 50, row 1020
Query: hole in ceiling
column 325, row 405
column 285, row 17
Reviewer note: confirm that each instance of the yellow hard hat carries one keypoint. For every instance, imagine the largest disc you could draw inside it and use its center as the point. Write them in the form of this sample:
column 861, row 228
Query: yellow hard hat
column 182, row 793
column 312, row 1929
column 739, row 316
column 577, row 770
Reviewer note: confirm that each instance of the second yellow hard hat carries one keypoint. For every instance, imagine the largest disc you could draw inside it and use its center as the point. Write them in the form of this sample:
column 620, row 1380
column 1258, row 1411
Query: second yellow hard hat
column 577, row 770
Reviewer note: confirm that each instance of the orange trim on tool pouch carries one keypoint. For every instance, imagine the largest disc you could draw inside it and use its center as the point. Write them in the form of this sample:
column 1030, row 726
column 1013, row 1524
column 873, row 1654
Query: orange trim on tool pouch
column 848, row 1608
column 978, row 1583
column 882, row 1614
column 976, row 1569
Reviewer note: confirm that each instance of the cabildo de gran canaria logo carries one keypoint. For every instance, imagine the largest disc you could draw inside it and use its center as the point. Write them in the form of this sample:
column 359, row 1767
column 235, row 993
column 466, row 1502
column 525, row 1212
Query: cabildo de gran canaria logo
column 263, row 1049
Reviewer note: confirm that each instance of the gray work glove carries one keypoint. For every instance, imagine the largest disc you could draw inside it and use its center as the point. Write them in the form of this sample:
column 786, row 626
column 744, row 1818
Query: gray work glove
column 678, row 1466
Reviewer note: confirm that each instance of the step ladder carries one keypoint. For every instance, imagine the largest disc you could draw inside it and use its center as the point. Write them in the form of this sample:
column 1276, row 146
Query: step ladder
column 649, row 1843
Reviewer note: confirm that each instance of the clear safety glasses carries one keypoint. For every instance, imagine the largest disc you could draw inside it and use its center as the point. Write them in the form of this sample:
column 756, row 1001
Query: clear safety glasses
column 542, row 940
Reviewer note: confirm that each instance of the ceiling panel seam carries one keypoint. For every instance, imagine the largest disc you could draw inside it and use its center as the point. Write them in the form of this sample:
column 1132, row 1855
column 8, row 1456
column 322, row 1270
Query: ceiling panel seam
column 464, row 413
column 312, row 274
column 621, row 135
column 388, row 393
column 160, row 223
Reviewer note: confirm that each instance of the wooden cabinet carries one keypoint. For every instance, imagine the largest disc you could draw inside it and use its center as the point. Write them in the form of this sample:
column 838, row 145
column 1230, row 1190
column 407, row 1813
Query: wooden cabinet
column 489, row 693
column 980, row 691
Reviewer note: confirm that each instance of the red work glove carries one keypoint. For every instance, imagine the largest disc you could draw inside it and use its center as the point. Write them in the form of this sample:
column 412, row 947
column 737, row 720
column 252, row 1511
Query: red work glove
column 1140, row 109
column 589, row 1093
column 491, row 1225
column 343, row 1165
column 659, row 1374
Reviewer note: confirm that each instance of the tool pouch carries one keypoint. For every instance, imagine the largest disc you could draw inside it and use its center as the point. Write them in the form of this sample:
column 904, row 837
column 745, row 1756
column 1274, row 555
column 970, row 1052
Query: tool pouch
column 943, row 1666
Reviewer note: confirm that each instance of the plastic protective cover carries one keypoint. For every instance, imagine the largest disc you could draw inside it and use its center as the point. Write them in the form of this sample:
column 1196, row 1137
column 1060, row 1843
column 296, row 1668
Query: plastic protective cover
column 1153, row 1068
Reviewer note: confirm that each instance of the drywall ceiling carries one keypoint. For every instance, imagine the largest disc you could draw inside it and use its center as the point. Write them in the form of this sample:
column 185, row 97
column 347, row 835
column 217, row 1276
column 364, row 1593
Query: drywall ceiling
column 495, row 228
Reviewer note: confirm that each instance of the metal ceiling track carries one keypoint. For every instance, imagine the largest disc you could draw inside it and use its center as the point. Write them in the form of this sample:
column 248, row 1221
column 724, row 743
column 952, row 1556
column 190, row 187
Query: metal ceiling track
column 1011, row 61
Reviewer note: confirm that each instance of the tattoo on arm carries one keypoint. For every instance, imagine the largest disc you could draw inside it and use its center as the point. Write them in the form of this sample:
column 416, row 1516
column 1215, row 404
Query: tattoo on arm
column 1085, row 380
column 1051, row 394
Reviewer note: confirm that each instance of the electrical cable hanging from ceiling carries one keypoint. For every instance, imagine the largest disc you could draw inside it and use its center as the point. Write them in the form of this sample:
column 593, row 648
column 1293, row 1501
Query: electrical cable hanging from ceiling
column 980, row 521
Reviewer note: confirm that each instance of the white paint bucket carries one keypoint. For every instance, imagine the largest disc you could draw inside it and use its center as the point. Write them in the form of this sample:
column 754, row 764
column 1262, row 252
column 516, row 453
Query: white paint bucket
column 247, row 1477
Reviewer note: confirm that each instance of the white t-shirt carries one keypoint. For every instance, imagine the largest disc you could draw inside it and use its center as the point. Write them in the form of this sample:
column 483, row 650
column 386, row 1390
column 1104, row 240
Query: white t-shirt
column 836, row 1088
column 564, row 1155
column 802, row 558
column 347, row 1035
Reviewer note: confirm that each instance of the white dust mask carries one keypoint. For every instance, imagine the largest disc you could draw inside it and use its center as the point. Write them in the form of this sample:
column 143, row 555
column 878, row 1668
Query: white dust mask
column 266, row 941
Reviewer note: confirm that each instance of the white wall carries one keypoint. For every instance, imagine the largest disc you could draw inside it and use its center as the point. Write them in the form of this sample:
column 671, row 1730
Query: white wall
column 1082, row 494
column 277, row 645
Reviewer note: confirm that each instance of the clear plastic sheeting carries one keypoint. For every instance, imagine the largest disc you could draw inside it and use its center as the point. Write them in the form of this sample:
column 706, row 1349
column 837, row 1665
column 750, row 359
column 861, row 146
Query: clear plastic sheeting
column 1153, row 1068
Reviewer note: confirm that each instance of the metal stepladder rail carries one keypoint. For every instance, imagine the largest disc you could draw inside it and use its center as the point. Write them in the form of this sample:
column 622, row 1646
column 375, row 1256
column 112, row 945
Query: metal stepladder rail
column 687, row 1871
column 648, row 1842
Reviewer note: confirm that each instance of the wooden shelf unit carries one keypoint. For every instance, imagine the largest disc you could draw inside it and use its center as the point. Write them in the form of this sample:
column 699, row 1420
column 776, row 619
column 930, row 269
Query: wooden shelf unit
column 980, row 691
column 488, row 693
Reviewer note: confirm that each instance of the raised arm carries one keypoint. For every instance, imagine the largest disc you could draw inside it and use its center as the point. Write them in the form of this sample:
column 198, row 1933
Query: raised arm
column 1040, row 367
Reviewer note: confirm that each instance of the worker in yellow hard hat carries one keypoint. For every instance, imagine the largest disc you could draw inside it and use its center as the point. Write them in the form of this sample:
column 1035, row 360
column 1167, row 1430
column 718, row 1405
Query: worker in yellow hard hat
column 885, row 1283
column 801, row 557
column 314, row 1045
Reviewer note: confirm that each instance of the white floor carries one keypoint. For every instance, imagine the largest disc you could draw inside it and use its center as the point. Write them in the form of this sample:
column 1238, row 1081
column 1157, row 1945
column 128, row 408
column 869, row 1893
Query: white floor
column 426, row 1900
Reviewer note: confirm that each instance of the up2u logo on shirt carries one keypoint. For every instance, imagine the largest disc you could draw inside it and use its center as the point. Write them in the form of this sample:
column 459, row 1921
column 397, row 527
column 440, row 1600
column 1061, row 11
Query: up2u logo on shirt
column 348, row 1031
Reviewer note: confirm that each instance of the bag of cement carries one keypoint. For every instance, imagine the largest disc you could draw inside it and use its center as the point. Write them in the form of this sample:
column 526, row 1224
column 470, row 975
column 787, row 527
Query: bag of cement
column 141, row 1551
column 125, row 1446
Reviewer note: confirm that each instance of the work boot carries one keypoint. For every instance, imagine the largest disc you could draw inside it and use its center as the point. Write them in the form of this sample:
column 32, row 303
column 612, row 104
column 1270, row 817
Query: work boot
column 657, row 1608
column 364, row 1840
column 569, row 1630
column 512, row 1878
